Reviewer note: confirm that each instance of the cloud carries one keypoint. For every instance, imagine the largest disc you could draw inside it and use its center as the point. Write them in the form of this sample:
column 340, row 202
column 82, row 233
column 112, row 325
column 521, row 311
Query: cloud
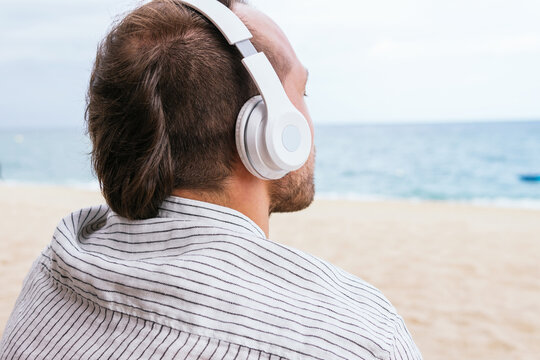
column 512, row 45
column 433, row 48
column 54, row 30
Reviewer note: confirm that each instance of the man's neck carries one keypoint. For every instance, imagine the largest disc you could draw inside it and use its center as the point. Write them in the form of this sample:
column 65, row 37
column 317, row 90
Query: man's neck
column 250, row 199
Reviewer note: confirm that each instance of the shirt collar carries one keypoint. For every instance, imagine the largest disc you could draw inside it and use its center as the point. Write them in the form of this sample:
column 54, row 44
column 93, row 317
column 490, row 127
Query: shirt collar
column 176, row 207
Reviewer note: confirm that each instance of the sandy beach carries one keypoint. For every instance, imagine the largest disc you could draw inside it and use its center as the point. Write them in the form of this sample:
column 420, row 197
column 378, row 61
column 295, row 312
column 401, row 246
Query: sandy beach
column 465, row 278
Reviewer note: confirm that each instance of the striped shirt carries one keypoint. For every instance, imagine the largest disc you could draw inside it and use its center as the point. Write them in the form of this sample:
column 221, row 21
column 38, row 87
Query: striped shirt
column 199, row 281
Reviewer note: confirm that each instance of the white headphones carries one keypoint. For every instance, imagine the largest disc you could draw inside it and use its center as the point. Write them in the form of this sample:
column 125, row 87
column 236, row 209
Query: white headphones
column 272, row 136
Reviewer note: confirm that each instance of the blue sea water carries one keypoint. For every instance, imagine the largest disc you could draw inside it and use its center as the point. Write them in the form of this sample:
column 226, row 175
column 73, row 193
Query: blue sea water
column 456, row 162
column 46, row 156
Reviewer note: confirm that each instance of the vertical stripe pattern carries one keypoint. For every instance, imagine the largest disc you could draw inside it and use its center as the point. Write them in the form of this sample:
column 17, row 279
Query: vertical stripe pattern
column 197, row 282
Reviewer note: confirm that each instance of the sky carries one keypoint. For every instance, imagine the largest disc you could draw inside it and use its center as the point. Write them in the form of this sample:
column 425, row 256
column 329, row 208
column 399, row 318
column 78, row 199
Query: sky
column 369, row 61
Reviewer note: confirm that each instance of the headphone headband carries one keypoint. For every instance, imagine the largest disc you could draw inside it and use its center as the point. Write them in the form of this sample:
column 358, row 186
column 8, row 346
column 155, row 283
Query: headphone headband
column 223, row 18
column 256, row 63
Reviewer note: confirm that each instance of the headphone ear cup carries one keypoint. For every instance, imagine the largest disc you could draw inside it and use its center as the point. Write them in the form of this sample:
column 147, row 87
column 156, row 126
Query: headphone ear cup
column 251, row 141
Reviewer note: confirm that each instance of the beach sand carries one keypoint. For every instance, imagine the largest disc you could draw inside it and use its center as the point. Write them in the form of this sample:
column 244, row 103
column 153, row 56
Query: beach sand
column 465, row 278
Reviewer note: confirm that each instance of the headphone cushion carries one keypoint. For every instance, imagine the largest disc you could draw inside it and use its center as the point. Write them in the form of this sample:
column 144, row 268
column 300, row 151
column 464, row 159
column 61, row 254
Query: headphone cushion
column 240, row 132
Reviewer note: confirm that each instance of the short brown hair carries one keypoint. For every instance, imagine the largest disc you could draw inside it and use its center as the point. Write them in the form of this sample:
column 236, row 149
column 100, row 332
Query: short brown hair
column 162, row 103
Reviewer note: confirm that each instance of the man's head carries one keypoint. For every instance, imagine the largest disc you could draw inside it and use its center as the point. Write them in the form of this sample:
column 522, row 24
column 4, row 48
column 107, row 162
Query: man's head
column 163, row 101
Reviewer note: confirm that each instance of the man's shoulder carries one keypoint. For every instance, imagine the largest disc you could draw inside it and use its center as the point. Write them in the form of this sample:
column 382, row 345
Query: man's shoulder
column 351, row 308
column 356, row 316
column 339, row 284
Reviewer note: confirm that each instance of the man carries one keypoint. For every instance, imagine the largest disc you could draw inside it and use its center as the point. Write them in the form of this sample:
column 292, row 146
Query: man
column 179, row 265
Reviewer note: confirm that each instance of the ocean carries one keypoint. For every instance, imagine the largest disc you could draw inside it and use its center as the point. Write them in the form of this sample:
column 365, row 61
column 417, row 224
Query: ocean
column 491, row 163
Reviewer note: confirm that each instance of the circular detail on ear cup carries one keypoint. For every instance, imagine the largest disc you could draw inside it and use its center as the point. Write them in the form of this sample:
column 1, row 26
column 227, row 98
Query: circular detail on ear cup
column 291, row 138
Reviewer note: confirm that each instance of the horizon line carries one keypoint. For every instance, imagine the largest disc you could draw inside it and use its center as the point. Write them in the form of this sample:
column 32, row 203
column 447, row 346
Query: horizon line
column 317, row 123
